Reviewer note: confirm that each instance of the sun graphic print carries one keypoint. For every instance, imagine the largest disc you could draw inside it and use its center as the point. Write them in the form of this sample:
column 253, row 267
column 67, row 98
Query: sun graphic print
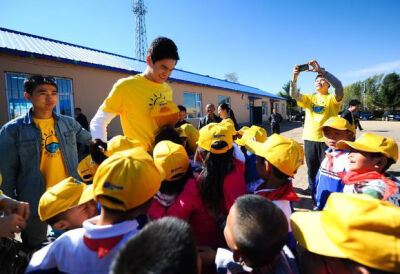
column 157, row 99
column 50, row 143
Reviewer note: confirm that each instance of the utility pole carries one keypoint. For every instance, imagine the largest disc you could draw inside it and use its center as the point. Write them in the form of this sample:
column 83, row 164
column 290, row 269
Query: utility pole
column 365, row 95
column 140, row 11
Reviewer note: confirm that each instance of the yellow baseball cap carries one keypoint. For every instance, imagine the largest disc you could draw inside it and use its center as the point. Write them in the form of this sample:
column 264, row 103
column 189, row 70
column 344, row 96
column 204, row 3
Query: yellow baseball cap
column 230, row 125
column 165, row 113
column 337, row 122
column 242, row 130
column 121, row 143
column 129, row 177
column 212, row 133
column 370, row 142
column 255, row 133
column 171, row 160
column 63, row 196
column 192, row 134
column 285, row 154
column 353, row 226
column 87, row 168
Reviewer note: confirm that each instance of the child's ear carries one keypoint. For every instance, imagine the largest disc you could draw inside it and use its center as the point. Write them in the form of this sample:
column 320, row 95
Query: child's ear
column 380, row 163
column 61, row 225
column 27, row 96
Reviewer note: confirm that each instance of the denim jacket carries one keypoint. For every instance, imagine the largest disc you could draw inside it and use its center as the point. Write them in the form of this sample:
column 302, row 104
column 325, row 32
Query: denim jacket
column 20, row 144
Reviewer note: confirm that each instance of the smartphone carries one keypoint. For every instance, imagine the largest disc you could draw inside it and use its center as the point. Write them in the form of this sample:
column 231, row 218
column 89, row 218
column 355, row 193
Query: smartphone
column 304, row 67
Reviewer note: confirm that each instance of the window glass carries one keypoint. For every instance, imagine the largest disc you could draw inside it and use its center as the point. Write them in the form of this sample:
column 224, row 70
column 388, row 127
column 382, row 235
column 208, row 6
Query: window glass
column 192, row 102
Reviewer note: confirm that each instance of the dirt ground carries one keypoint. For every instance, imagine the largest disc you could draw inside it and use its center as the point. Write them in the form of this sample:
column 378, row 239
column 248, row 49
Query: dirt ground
column 294, row 130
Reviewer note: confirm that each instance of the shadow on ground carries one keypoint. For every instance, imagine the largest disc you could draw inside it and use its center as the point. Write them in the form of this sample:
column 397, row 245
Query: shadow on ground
column 305, row 203
column 285, row 126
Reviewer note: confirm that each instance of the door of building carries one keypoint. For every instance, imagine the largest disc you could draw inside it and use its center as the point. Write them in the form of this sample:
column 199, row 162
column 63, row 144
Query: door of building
column 257, row 115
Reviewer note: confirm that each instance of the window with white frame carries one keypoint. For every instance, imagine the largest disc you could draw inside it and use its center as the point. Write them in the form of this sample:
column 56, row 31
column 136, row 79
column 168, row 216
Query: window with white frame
column 224, row 99
column 264, row 108
column 192, row 102
column 18, row 105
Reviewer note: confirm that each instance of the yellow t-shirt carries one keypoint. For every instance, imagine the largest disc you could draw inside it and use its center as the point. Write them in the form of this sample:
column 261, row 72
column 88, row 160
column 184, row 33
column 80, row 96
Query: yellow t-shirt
column 318, row 108
column 52, row 164
column 132, row 99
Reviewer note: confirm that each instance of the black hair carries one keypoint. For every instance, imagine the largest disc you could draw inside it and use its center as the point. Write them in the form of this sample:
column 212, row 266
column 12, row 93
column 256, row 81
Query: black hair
column 165, row 246
column 167, row 133
column 354, row 102
column 182, row 108
column 33, row 81
column 389, row 161
column 176, row 187
column 231, row 115
column 216, row 167
column 163, row 48
column 53, row 220
column 260, row 230
column 79, row 109
column 96, row 149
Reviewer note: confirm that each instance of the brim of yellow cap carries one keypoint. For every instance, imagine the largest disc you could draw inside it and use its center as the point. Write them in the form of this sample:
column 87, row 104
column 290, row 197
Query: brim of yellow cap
column 240, row 142
column 255, row 147
column 306, row 228
column 87, row 195
column 347, row 145
column 334, row 127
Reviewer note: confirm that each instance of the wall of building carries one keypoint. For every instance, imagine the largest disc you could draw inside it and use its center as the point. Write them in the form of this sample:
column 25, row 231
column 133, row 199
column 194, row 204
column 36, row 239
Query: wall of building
column 91, row 86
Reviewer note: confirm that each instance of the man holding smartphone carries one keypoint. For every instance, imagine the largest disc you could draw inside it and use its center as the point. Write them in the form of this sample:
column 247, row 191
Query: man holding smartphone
column 318, row 108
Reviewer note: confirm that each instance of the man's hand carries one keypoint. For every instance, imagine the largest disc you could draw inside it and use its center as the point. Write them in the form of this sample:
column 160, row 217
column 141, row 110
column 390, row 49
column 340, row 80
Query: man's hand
column 316, row 67
column 296, row 72
column 11, row 206
column 10, row 224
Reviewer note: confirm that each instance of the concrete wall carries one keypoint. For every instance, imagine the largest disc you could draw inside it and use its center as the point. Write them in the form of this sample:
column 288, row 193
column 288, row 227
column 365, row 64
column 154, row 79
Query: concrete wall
column 92, row 85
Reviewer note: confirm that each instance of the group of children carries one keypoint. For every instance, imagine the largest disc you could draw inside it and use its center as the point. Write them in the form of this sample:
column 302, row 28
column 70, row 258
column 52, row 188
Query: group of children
column 209, row 215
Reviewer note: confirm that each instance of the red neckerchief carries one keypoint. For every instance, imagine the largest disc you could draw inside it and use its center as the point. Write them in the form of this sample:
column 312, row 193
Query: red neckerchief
column 330, row 160
column 102, row 246
column 284, row 192
column 352, row 177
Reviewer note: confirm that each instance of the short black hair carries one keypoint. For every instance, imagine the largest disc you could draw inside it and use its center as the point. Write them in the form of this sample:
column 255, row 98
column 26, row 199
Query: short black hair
column 354, row 102
column 33, row 81
column 181, row 108
column 163, row 48
column 389, row 161
column 167, row 133
column 260, row 230
column 322, row 76
column 79, row 109
column 165, row 246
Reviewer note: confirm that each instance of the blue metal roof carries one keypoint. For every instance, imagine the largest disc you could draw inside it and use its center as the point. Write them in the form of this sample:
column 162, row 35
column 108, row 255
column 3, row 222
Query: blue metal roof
column 25, row 44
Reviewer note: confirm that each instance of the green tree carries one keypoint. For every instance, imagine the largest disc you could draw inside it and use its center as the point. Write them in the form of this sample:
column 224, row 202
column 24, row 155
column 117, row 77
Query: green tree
column 291, row 105
column 232, row 77
column 388, row 95
column 356, row 90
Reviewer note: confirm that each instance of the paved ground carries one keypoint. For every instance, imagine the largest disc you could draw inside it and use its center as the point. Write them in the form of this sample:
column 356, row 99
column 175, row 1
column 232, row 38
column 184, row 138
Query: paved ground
column 294, row 130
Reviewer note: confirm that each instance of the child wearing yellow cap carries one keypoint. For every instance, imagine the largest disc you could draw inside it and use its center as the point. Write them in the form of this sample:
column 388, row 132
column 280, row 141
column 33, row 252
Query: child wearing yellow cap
column 278, row 159
column 67, row 205
column 354, row 233
column 370, row 157
column 204, row 203
column 124, row 185
column 327, row 180
column 258, row 134
column 173, row 162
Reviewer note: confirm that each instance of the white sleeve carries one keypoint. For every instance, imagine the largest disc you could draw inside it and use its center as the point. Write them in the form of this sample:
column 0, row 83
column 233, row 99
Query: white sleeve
column 99, row 123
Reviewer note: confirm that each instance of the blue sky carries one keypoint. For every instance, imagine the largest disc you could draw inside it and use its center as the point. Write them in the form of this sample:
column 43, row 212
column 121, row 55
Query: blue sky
column 259, row 40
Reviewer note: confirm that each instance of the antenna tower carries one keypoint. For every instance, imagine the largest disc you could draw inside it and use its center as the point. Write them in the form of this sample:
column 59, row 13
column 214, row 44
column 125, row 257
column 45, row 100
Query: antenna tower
column 140, row 11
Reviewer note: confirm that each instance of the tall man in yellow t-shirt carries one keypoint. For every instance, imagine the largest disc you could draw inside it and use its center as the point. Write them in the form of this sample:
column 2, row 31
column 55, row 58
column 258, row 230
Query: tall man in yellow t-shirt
column 39, row 150
column 318, row 107
column 134, row 97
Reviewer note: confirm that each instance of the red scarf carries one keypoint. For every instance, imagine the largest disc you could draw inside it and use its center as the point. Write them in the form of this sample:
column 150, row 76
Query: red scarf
column 102, row 246
column 352, row 177
column 284, row 192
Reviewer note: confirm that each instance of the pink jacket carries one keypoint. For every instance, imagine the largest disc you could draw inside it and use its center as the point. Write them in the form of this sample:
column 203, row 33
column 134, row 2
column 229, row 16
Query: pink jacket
column 190, row 207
